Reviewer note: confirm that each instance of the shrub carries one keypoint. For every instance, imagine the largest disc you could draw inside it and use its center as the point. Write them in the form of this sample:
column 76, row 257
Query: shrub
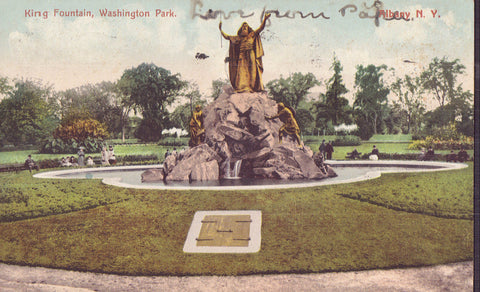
column 405, row 156
column 80, row 130
column 88, row 133
column 137, row 159
column 58, row 146
column 171, row 141
column 347, row 141
column 49, row 163
column 430, row 141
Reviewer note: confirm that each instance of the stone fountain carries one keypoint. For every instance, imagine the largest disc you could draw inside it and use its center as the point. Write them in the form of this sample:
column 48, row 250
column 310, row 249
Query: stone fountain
column 237, row 133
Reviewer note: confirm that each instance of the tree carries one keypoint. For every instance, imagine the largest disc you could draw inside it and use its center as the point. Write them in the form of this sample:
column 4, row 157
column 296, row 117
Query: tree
column 305, row 120
column 455, row 104
column 336, row 105
column 26, row 115
column 397, row 119
column 5, row 87
column 293, row 90
column 440, row 78
column 102, row 102
column 217, row 86
column 124, row 104
column 151, row 89
column 410, row 96
column 180, row 118
column 458, row 112
column 193, row 95
column 371, row 99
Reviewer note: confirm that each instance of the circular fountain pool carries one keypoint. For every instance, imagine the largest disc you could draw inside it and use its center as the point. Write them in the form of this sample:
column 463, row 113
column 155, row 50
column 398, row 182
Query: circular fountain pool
column 348, row 171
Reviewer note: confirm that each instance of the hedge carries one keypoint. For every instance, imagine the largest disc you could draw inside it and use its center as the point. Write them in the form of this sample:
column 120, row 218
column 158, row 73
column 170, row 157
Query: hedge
column 406, row 156
column 348, row 140
column 465, row 143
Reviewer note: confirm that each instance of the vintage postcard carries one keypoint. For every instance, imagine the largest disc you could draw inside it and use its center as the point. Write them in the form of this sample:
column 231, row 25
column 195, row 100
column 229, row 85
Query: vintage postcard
column 212, row 145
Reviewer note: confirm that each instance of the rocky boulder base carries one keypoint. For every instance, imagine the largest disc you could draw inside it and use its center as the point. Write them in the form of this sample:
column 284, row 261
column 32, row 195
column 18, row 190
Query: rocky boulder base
column 236, row 129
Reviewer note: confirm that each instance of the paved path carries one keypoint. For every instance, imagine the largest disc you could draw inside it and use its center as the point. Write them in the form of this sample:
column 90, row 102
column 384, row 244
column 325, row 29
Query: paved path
column 452, row 277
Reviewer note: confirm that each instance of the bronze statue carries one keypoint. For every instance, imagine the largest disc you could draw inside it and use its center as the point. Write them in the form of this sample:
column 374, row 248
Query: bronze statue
column 290, row 126
column 197, row 128
column 245, row 55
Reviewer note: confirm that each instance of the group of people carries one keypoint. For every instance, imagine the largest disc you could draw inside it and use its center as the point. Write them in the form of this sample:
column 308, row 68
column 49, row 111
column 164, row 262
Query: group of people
column 108, row 158
column 168, row 153
column 462, row 156
column 326, row 149
column 174, row 152
column 428, row 155
column 374, row 154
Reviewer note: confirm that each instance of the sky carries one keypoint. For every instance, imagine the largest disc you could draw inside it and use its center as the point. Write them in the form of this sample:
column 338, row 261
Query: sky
column 36, row 42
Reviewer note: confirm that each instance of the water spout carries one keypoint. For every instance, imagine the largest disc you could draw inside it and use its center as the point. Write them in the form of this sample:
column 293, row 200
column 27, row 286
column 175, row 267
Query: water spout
column 236, row 168
column 233, row 173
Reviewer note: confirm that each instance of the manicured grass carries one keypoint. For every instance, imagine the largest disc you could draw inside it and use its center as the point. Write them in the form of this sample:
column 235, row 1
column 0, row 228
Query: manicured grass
column 402, row 138
column 22, row 196
column 309, row 230
column 366, row 147
column 340, row 152
column 11, row 157
column 445, row 193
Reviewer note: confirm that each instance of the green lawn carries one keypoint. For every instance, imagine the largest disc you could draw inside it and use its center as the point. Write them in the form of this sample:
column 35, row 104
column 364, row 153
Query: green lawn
column 10, row 157
column 401, row 138
column 383, row 223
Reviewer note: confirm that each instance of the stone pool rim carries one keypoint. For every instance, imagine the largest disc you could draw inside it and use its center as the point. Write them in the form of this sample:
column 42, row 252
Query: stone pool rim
column 416, row 166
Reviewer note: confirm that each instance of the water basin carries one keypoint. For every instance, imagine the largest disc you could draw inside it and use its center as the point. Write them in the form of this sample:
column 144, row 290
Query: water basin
column 348, row 171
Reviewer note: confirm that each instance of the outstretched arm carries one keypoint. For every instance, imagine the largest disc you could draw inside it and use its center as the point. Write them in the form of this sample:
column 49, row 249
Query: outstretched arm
column 272, row 117
column 225, row 36
column 262, row 26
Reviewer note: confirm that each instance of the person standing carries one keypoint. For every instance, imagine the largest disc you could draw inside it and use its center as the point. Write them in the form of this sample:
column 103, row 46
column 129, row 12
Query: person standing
column 329, row 150
column 322, row 148
column 81, row 157
column 105, row 156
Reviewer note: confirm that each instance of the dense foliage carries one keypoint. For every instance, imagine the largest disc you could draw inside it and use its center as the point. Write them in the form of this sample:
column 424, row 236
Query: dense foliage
column 151, row 89
column 67, row 138
column 293, row 89
column 148, row 99
column 26, row 114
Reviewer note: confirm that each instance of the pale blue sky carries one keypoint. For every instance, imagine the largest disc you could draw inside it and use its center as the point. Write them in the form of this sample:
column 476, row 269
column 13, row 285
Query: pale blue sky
column 68, row 52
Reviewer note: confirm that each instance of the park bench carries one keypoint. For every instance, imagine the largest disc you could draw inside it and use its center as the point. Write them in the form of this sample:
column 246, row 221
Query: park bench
column 13, row 167
column 351, row 156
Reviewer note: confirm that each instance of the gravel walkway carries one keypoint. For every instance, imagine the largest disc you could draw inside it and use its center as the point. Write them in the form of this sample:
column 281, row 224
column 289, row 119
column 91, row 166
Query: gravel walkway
column 452, row 277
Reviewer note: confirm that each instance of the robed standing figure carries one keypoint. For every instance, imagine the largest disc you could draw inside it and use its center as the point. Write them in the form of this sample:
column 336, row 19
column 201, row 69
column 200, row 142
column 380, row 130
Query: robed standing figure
column 197, row 128
column 245, row 55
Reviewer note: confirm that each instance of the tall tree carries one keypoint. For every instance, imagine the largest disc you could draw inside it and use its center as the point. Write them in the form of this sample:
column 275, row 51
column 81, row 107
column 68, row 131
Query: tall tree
column 371, row 98
column 151, row 89
column 410, row 96
column 440, row 78
column 124, row 104
column 293, row 90
column 26, row 113
column 336, row 105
